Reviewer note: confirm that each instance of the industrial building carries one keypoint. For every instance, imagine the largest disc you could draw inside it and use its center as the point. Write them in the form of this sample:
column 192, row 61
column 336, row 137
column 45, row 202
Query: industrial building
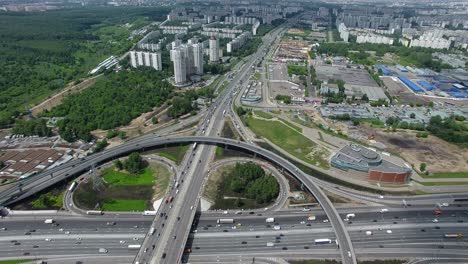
column 146, row 59
column 360, row 158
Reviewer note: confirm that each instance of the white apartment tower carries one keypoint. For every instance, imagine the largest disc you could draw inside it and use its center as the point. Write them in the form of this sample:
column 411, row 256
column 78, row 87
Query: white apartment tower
column 214, row 49
column 198, row 58
column 180, row 68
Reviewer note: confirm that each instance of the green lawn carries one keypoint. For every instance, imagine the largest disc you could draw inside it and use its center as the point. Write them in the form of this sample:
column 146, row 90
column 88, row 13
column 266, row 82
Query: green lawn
column 443, row 183
column 288, row 139
column 14, row 261
column 462, row 174
column 124, row 205
column 113, row 177
column 263, row 114
column 291, row 125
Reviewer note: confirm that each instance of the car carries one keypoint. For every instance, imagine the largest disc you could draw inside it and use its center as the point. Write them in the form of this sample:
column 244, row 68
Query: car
column 395, row 223
column 423, row 230
column 17, row 243
column 27, row 233
column 381, row 196
column 164, row 255
column 135, row 238
column 225, row 212
column 257, row 236
column 3, row 229
column 435, row 220
column 146, row 249
column 79, row 238
column 244, row 242
column 306, row 209
column 225, row 230
column 122, row 242
column 306, row 247
column 349, row 254
column 284, row 248
column 308, row 225
column 26, row 253
column 61, row 229
column 48, row 239
column 325, row 220
column 389, row 231
column 67, row 233
column 78, row 242
column 35, row 246
column 437, row 227
column 302, row 222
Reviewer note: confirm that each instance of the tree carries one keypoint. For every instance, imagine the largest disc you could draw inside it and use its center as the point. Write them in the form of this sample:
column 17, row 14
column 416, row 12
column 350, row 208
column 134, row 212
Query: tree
column 154, row 120
column 412, row 115
column 134, row 163
column 118, row 164
column 422, row 167
column 100, row 145
column 365, row 98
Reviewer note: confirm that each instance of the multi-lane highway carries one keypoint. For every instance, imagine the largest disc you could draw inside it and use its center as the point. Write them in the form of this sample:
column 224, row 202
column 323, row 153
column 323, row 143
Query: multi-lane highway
column 413, row 232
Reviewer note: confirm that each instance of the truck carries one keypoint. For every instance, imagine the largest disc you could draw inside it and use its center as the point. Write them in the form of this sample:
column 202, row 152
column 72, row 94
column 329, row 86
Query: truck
column 311, row 218
column 134, row 246
column 72, row 186
column 457, row 235
column 94, row 212
column 225, row 221
column 321, row 241
column 149, row 212
column 49, row 221
column 270, row 220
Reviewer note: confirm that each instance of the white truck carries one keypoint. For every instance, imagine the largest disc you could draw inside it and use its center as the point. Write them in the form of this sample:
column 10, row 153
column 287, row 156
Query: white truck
column 270, row 220
column 49, row 221
column 134, row 246
column 349, row 216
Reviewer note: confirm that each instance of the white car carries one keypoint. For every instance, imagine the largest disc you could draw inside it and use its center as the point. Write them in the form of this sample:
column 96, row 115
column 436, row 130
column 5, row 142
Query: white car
column 381, row 196
column 122, row 242
column 233, row 227
column 389, row 231
column 302, row 222
column 225, row 212
column 435, row 220
column 306, row 209
column 135, row 238
column 325, row 220
column 48, row 239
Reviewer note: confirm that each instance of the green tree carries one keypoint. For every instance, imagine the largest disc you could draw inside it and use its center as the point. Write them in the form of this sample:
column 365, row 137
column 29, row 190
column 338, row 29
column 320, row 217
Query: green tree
column 118, row 164
column 412, row 115
column 134, row 163
column 422, row 167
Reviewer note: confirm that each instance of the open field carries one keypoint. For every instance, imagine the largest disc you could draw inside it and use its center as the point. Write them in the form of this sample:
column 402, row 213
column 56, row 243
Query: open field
column 263, row 114
column 14, row 261
column 290, row 140
column 443, row 183
column 118, row 178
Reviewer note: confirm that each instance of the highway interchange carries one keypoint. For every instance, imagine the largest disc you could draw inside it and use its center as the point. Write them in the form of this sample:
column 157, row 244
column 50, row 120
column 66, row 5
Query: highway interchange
column 28, row 236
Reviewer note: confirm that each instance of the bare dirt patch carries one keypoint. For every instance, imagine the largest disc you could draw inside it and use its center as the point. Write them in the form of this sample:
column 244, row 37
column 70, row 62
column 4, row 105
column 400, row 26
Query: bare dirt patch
column 439, row 155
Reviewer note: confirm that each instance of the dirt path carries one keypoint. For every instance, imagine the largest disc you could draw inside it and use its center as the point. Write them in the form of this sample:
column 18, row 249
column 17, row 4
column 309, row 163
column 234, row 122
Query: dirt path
column 58, row 98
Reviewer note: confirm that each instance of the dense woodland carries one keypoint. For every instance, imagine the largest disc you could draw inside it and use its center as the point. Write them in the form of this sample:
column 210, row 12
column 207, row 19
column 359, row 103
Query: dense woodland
column 41, row 52
column 249, row 180
column 114, row 100
column 420, row 57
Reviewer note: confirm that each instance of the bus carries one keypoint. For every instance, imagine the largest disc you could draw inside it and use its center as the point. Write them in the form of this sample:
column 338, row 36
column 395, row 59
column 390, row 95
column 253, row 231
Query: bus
column 322, row 241
column 225, row 221
column 94, row 212
column 72, row 186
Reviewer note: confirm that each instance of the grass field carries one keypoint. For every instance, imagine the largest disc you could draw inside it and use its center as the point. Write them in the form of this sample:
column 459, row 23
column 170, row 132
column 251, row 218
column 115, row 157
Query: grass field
column 462, row 174
column 263, row 114
column 443, row 183
column 163, row 176
column 14, row 261
column 113, row 177
column 174, row 153
column 124, row 205
column 291, row 125
column 290, row 140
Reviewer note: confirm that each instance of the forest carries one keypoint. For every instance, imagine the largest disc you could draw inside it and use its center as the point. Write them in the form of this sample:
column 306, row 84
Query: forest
column 114, row 100
column 419, row 57
column 40, row 53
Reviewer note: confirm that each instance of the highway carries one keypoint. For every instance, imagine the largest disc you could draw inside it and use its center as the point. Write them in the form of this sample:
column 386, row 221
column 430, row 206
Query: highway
column 413, row 231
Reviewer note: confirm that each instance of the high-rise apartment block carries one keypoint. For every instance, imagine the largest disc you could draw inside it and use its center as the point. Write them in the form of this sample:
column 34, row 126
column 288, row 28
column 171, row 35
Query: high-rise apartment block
column 188, row 61
column 146, row 59
column 214, row 49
